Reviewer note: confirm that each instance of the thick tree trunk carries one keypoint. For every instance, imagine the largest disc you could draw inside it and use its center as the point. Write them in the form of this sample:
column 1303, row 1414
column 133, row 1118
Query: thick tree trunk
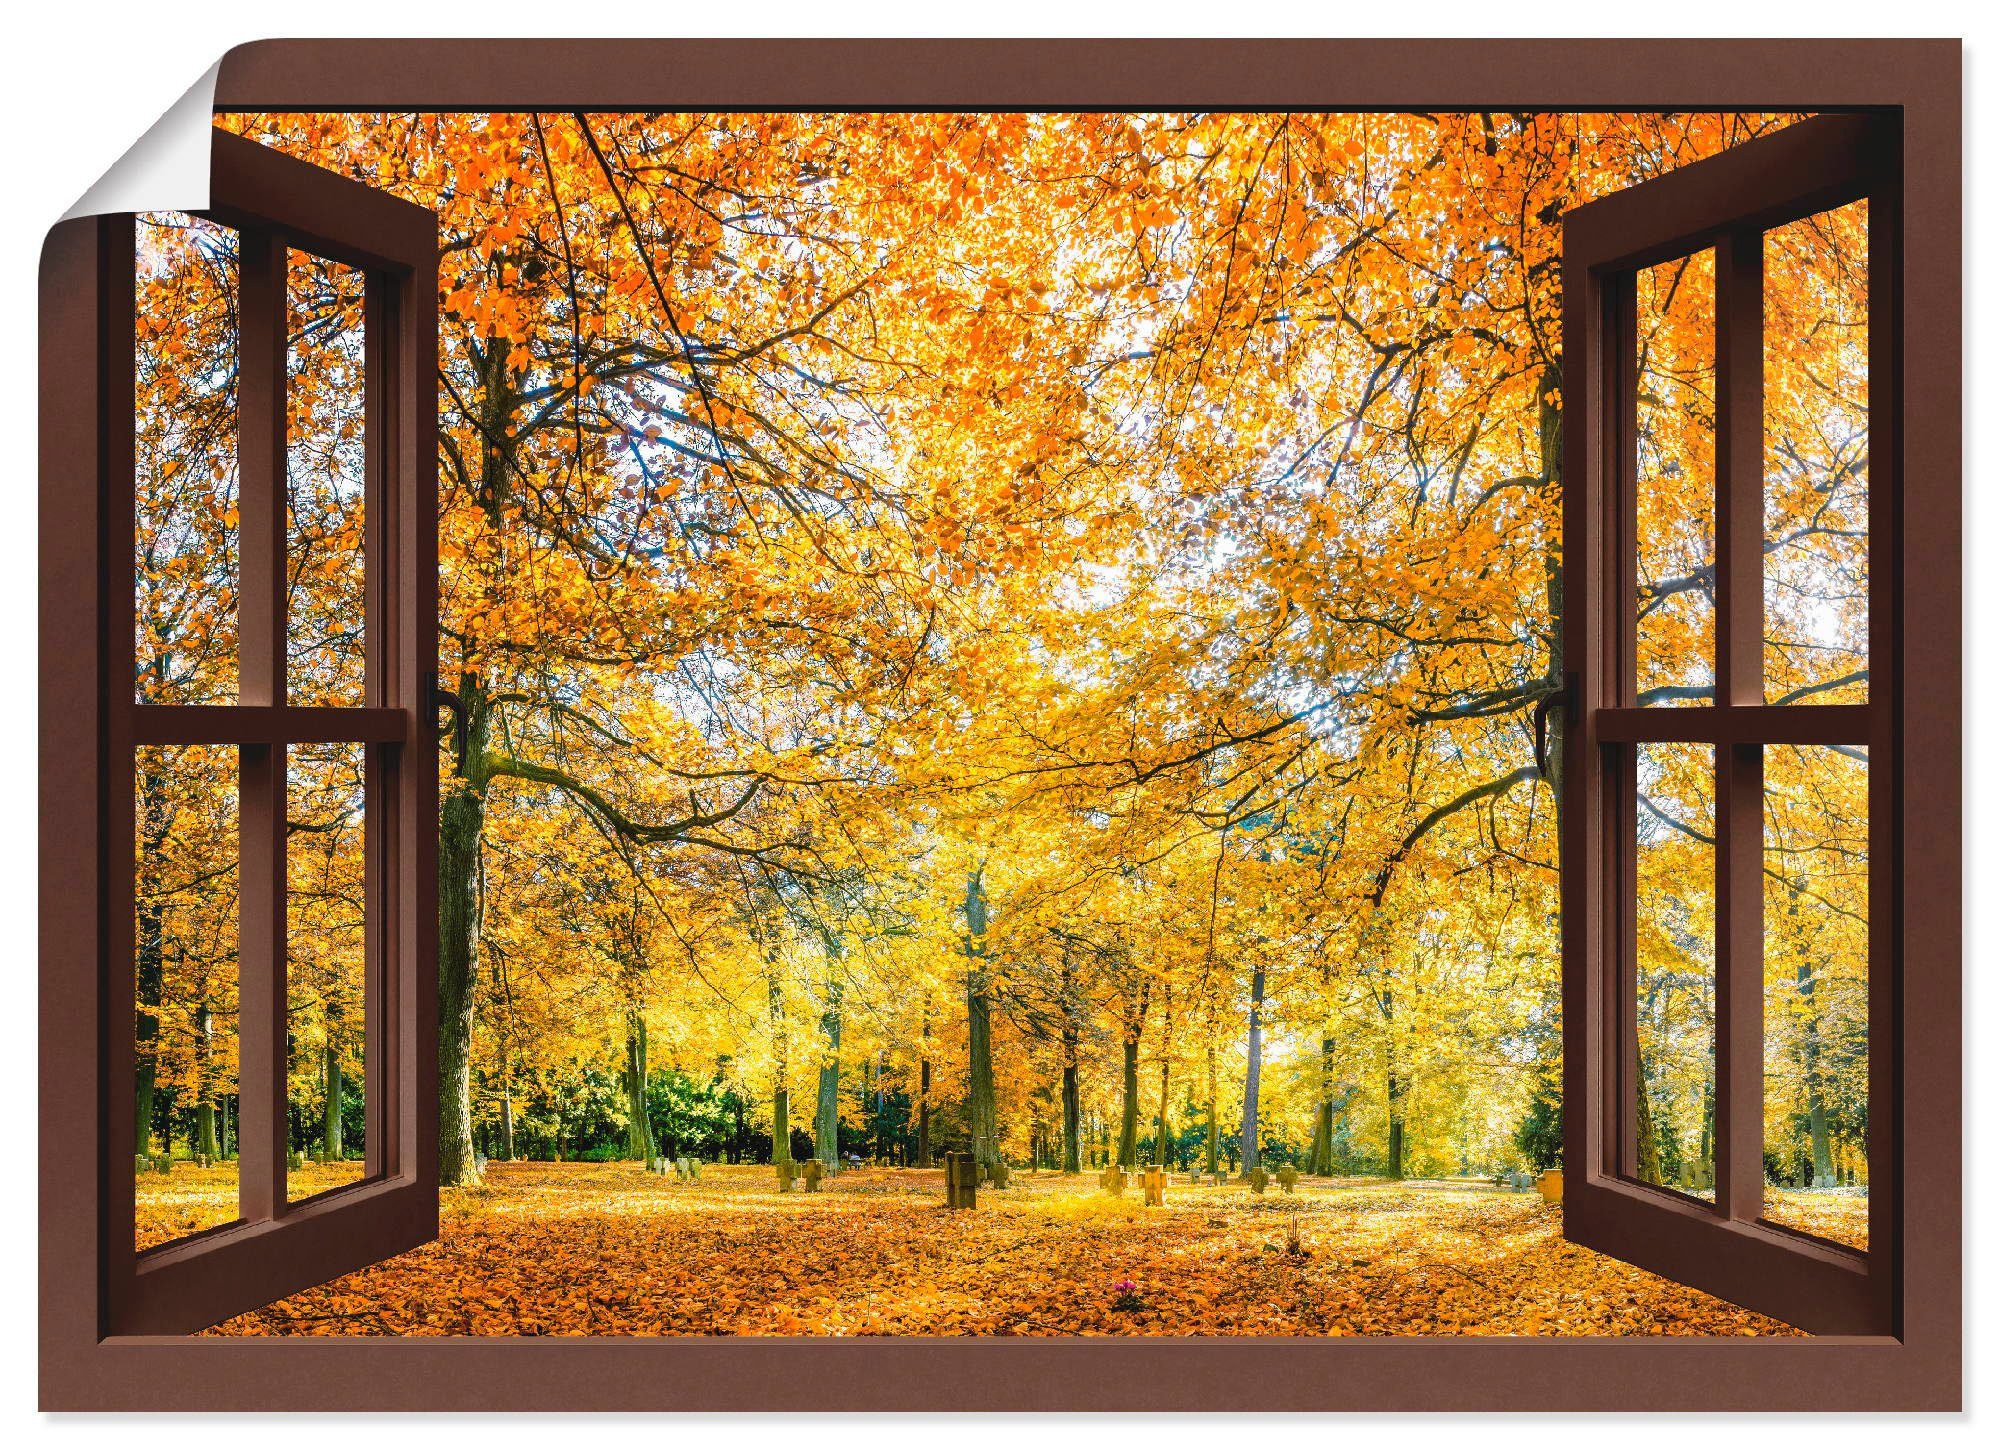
column 1648, row 1145
column 1247, row 1148
column 461, row 822
column 1321, row 1159
column 983, row 1107
column 506, row 1120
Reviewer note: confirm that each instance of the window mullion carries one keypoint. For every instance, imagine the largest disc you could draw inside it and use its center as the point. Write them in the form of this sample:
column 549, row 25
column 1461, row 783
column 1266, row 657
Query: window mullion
column 261, row 620
column 1739, row 765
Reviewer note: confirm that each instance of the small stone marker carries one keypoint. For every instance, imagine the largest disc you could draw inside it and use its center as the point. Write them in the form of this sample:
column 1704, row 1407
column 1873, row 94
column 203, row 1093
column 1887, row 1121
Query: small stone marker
column 815, row 1170
column 163, row 1164
column 1112, row 1181
column 1156, row 1187
column 1288, row 1178
column 999, row 1174
column 694, row 1169
column 785, row 1169
column 961, row 1180
column 1258, row 1180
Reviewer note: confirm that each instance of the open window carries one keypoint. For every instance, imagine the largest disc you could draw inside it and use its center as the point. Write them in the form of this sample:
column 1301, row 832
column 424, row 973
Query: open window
column 1733, row 765
column 265, row 460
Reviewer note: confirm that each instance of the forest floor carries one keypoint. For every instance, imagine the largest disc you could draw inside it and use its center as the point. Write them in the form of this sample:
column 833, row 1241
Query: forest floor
column 608, row 1249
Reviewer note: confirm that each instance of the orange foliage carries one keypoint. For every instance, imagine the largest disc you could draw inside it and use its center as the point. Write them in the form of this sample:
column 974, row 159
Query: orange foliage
column 611, row 1250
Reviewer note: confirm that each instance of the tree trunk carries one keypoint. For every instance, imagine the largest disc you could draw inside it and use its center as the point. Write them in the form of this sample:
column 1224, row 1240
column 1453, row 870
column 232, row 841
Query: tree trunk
column 204, row 1112
column 506, row 1120
column 151, row 953
column 638, row 1126
column 330, row 1143
column 1252, row 1076
column 461, row 827
column 1396, row 1146
column 460, row 824
column 1816, row 1119
column 1128, row 1115
column 781, row 1065
column 1321, row 1159
column 983, row 1108
column 1072, row 1151
column 826, row 1113
column 924, row 1103
column 1648, row 1140
column 1214, row 1124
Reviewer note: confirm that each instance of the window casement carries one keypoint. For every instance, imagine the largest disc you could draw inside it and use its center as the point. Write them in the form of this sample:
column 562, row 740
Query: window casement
column 1660, row 748
column 275, row 216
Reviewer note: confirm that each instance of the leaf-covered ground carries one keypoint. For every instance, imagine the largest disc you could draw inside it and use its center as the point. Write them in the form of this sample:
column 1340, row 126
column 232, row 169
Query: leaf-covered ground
column 607, row 1249
column 189, row 1200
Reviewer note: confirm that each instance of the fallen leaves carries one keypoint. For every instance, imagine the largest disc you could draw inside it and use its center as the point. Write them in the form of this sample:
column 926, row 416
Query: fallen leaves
column 577, row 1249
column 191, row 1199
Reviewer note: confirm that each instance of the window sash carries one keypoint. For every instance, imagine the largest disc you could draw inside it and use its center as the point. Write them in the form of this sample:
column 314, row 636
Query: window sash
column 276, row 204
column 1727, row 203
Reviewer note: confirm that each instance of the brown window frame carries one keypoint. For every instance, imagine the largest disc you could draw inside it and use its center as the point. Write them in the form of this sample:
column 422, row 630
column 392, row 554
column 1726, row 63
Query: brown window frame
column 1916, row 1365
column 275, row 204
column 1726, row 203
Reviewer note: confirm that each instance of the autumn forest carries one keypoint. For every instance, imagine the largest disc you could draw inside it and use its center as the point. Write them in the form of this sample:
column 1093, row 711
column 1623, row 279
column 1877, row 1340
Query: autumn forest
column 1023, row 635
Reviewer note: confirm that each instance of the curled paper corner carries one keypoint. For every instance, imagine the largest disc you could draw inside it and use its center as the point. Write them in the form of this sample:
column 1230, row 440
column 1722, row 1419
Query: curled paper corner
column 166, row 169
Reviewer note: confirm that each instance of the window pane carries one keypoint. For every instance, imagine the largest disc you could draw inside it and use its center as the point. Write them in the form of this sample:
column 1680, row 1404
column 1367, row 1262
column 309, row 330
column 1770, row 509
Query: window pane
column 1816, row 990
column 184, row 1039
column 325, row 474
column 1675, row 998
column 184, row 476
column 1816, row 459
column 326, row 958
column 1675, row 514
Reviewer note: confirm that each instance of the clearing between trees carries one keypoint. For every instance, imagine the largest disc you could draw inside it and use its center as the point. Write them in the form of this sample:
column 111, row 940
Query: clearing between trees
column 610, row 1249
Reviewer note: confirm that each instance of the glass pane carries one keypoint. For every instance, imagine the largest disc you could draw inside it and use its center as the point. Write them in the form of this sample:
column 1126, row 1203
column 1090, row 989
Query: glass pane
column 184, row 475
column 1816, row 990
column 184, row 1038
column 1675, row 514
column 325, row 979
column 1816, row 459
column 325, row 475
column 1676, row 967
